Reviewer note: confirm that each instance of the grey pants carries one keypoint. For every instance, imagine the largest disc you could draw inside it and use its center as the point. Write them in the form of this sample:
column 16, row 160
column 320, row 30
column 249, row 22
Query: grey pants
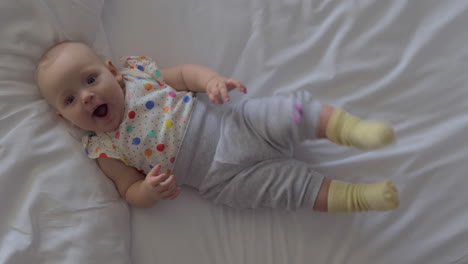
column 251, row 164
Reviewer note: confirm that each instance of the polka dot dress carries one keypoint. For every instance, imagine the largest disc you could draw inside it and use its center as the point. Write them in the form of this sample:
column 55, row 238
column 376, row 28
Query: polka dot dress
column 154, row 124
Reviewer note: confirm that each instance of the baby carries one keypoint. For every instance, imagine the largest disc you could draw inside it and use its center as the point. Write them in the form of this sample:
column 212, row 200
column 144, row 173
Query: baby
column 148, row 130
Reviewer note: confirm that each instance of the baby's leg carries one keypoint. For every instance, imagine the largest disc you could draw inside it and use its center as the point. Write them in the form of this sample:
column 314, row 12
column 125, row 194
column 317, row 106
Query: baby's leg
column 337, row 196
column 276, row 183
column 345, row 129
column 291, row 184
column 285, row 121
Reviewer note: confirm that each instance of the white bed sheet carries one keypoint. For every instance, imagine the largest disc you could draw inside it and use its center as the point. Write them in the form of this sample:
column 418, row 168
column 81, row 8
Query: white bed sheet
column 402, row 61
column 56, row 205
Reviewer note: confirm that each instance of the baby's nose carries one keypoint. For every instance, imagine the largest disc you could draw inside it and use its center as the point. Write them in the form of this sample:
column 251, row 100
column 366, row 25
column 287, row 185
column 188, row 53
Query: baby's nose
column 87, row 97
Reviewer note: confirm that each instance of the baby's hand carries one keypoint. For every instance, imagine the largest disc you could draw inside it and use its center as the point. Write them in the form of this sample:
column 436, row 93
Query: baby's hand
column 218, row 88
column 159, row 186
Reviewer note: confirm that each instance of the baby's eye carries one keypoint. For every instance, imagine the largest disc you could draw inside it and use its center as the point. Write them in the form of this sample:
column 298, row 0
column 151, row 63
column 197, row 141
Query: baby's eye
column 70, row 100
column 91, row 79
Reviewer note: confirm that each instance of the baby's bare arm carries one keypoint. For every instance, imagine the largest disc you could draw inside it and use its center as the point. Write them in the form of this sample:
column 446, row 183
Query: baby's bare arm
column 198, row 78
column 134, row 188
column 188, row 77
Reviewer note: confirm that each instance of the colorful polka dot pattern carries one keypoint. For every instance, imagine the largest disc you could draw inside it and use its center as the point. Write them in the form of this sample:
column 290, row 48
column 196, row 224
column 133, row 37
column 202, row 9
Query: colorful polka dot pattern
column 149, row 105
column 154, row 122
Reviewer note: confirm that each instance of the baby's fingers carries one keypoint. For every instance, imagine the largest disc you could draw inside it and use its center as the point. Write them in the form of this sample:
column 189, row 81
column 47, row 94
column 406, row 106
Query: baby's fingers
column 219, row 93
column 154, row 171
column 173, row 195
column 168, row 184
column 232, row 84
column 242, row 88
column 215, row 97
column 155, row 181
column 224, row 93
column 169, row 191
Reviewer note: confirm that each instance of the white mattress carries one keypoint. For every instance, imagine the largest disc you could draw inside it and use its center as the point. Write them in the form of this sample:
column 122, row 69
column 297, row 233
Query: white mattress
column 402, row 61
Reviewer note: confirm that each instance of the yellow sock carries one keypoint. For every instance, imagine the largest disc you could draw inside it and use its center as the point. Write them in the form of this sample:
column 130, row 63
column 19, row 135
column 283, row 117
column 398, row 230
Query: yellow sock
column 346, row 129
column 348, row 197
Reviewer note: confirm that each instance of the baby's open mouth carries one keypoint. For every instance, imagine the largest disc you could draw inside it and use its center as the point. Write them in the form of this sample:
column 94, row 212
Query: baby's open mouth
column 101, row 111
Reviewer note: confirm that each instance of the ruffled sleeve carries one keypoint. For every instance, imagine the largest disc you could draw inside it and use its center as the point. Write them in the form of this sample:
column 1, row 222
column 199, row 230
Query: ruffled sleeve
column 100, row 145
column 142, row 67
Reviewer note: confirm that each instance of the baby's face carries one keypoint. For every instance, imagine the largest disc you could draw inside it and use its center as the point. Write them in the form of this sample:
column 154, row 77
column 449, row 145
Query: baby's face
column 84, row 89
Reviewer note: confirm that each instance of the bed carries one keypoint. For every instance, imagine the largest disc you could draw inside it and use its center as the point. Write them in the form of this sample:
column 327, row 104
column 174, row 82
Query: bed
column 401, row 61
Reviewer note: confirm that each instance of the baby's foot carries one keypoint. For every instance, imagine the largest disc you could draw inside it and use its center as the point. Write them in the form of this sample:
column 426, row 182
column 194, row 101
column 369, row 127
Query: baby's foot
column 348, row 197
column 346, row 129
column 371, row 135
column 382, row 196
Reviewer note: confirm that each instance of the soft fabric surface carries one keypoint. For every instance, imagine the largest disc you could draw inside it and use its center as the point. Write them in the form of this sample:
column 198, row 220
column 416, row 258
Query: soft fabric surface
column 401, row 61
column 57, row 207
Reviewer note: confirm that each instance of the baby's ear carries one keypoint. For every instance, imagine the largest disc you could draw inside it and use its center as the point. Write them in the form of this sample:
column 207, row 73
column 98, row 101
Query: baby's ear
column 114, row 70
